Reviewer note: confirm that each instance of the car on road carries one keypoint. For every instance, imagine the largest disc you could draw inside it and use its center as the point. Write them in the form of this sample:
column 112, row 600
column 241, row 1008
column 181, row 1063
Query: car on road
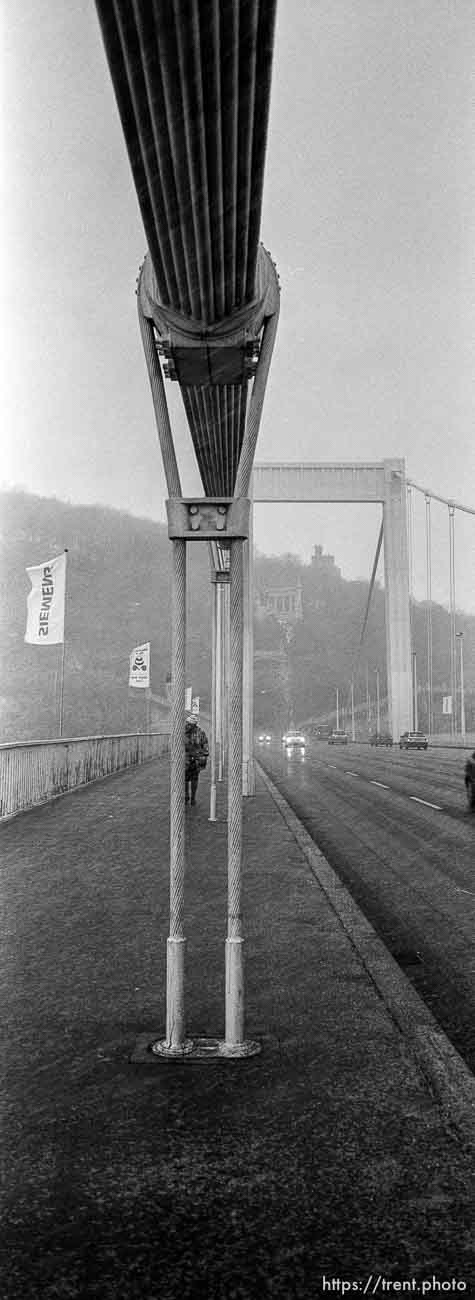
column 338, row 738
column 413, row 740
column 381, row 738
column 294, row 740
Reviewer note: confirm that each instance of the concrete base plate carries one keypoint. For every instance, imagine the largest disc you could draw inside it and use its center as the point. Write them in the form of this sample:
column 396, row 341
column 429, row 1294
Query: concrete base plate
column 149, row 1050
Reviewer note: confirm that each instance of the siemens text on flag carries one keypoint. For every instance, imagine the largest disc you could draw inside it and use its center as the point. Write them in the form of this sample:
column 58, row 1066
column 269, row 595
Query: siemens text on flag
column 139, row 673
column 45, row 602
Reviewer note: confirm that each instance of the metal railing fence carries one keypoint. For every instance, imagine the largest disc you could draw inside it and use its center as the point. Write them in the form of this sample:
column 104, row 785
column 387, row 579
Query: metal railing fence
column 34, row 772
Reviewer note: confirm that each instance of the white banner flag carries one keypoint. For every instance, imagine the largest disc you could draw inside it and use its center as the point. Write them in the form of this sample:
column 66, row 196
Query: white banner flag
column 446, row 704
column 187, row 699
column 45, row 603
column 195, row 704
column 139, row 674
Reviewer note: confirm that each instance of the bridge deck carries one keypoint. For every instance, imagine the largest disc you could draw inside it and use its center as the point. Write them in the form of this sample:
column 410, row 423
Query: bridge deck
column 161, row 1179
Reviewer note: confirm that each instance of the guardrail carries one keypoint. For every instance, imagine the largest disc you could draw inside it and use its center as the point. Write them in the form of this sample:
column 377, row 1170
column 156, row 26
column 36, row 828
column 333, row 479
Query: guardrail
column 34, row 772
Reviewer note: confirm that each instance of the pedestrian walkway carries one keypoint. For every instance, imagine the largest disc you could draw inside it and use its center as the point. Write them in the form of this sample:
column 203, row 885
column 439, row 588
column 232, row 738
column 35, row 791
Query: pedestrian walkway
column 324, row 1160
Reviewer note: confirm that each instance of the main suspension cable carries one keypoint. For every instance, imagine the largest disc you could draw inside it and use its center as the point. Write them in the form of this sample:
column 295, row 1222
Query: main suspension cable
column 446, row 501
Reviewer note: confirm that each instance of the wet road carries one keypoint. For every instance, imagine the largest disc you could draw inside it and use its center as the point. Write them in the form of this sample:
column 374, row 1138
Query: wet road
column 396, row 828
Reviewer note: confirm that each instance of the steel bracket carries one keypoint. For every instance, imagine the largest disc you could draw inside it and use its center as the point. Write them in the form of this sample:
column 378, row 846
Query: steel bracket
column 205, row 519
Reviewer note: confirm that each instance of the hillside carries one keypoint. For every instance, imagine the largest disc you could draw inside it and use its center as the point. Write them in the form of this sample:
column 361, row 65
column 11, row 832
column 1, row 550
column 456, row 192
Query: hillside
column 118, row 595
column 322, row 650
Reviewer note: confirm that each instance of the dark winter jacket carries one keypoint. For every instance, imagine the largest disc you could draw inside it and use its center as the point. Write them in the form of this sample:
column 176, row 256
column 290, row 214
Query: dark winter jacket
column 196, row 749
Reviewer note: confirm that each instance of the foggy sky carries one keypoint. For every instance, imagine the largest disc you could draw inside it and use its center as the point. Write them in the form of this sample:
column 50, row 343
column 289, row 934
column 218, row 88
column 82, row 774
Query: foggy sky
column 369, row 213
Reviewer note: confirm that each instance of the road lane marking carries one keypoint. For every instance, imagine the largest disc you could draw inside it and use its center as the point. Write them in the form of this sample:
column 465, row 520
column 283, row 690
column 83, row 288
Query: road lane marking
column 382, row 785
column 426, row 802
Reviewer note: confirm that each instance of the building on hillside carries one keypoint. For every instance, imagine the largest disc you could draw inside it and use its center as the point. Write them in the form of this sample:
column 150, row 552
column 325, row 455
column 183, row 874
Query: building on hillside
column 284, row 603
column 325, row 564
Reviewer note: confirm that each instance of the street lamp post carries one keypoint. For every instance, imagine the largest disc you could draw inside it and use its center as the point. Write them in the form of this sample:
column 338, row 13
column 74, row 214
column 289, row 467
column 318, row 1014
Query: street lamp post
column 378, row 703
column 459, row 636
column 353, row 733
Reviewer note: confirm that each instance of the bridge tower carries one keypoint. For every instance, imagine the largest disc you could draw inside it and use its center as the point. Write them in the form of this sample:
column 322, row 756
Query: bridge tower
column 383, row 482
column 396, row 593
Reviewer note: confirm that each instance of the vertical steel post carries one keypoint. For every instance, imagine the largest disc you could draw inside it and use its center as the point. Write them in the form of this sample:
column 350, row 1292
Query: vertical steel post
column 248, row 776
column 175, row 1031
column 63, row 653
column 429, row 615
column 234, row 1032
column 219, row 679
column 61, row 687
column 214, row 639
column 353, row 732
column 459, row 636
column 378, row 703
column 337, row 709
column 225, row 679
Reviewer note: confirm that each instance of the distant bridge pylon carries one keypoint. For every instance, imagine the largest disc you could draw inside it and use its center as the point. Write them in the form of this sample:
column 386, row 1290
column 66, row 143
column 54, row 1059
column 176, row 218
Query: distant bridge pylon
column 384, row 482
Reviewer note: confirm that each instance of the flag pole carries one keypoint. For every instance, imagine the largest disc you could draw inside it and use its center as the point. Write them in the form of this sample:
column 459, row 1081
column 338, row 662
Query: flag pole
column 63, row 648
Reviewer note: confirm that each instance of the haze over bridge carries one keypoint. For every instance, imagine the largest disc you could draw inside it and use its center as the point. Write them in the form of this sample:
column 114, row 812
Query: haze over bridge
column 162, row 1164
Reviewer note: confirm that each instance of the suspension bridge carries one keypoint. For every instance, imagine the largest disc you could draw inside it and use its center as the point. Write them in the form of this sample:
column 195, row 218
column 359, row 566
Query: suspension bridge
column 388, row 484
column 193, row 93
column 192, row 84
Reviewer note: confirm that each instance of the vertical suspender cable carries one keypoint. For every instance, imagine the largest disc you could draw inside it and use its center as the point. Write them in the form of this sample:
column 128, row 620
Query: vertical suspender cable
column 430, row 711
column 214, row 619
column 453, row 659
column 356, row 661
column 234, row 941
column 219, row 679
column 410, row 547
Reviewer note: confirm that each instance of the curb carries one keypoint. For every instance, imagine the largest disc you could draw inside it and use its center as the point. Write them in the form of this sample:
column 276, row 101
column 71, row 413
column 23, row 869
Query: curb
column 447, row 1074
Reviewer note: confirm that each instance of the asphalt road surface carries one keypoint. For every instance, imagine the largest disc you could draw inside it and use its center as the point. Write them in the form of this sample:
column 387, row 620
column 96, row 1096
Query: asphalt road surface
column 396, row 827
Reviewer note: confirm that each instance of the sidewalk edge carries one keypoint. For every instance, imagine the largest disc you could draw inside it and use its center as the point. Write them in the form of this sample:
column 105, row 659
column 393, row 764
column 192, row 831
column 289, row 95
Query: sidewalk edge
column 447, row 1074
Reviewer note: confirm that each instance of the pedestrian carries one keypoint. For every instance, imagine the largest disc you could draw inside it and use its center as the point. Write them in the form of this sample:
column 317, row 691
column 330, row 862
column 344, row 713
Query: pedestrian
column 196, row 756
column 470, row 780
